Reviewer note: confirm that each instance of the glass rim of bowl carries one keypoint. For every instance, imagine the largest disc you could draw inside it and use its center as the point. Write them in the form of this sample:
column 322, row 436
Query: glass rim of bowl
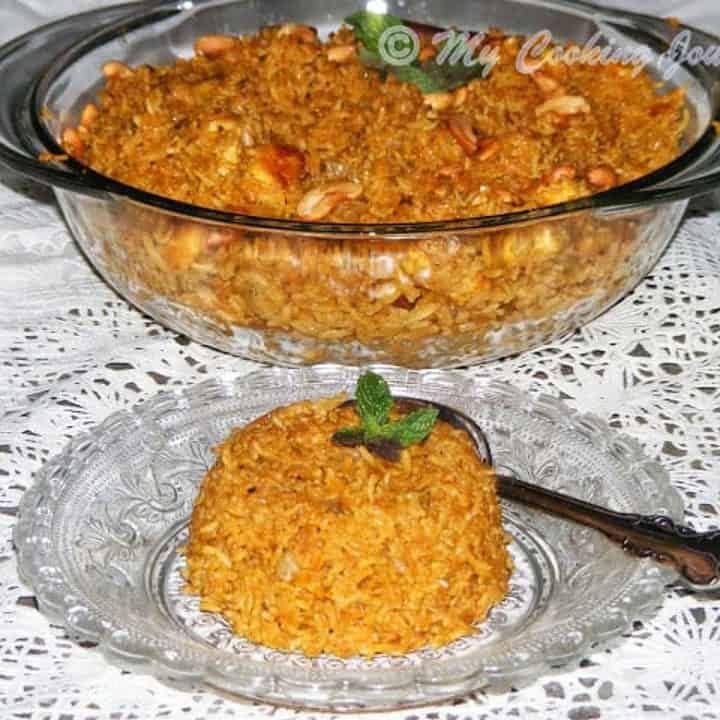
column 695, row 171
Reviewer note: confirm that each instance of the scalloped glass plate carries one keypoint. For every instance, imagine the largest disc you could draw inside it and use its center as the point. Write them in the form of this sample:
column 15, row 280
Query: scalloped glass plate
column 99, row 533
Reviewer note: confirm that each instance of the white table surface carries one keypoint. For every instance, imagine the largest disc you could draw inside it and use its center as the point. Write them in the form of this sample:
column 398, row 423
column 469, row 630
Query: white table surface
column 72, row 352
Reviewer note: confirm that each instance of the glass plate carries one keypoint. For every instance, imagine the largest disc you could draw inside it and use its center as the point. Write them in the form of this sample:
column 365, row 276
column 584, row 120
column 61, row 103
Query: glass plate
column 99, row 532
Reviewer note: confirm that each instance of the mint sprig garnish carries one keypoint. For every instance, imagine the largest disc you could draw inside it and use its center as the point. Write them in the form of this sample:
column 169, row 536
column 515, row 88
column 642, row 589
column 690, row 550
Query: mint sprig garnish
column 420, row 77
column 433, row 77
column 412, row 428
column 373, row 403
column 430, row 76
column 373, row 400
column 350, row 437
column 369, row 26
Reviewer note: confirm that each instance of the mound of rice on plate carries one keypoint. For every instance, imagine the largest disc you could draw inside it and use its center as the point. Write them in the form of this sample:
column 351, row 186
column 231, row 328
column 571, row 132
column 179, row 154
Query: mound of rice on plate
column 308, row 546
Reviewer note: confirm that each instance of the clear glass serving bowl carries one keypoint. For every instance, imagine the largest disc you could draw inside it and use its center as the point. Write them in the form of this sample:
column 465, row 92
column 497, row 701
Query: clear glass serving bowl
column 431, row 294
column 99, row 533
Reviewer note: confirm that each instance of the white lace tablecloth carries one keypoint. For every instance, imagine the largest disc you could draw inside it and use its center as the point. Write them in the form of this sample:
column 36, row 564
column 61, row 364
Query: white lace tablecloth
column 72, row 352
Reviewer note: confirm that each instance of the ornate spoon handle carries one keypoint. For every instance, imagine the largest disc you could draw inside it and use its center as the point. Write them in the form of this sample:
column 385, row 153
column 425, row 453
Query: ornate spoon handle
column 696, row 555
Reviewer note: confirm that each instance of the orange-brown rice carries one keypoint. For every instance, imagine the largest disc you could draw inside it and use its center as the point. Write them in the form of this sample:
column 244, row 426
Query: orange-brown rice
column 305, row 545
column 274, row 124
column 266, row 122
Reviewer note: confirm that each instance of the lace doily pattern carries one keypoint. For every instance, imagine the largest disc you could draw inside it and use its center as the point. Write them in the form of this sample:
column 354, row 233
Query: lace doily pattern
column 72, row 353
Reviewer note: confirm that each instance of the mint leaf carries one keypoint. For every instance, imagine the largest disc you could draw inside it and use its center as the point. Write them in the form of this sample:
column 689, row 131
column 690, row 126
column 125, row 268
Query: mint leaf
column 412, row 428
column 372, row 60
column 418, row 76
column 385, row 447
column 429, row 77
column 350, row 437
column 448, row 76
column 373, row 400
column 369, row 26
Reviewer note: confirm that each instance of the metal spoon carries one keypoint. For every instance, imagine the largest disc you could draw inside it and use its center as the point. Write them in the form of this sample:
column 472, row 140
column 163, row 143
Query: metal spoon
column 695, row 555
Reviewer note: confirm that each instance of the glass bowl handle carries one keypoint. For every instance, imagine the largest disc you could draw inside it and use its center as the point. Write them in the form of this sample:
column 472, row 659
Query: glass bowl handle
column 21, row 61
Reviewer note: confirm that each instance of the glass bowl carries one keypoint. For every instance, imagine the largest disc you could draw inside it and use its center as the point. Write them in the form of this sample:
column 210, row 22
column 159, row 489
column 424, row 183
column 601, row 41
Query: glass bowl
column 99, row 532
column 434, row 294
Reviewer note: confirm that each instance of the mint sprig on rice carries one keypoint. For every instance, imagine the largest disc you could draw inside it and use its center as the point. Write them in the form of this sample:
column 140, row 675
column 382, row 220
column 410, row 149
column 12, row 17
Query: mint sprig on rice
column 373, row 403
column 430, row 76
